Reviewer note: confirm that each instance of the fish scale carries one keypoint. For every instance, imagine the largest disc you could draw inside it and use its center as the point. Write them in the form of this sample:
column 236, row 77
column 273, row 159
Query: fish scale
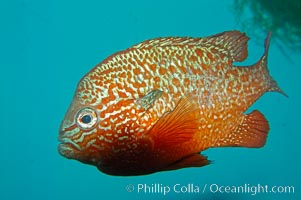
column 156, row 105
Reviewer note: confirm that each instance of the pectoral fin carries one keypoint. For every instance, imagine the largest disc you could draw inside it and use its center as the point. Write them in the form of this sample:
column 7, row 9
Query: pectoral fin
column 177, row 126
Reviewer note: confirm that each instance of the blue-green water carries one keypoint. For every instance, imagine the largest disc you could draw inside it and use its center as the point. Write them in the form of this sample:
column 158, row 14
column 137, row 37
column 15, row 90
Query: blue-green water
column 47, row 46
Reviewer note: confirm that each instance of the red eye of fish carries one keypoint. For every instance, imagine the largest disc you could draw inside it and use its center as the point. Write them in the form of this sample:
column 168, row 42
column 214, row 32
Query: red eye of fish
column 86, row 118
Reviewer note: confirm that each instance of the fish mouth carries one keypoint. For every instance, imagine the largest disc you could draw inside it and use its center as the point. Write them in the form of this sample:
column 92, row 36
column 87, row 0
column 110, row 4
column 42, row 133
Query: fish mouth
column 67, row 147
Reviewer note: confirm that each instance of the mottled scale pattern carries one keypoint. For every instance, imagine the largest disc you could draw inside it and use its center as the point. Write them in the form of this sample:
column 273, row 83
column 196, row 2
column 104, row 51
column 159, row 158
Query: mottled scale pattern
column 178, row 67
column 199, row 68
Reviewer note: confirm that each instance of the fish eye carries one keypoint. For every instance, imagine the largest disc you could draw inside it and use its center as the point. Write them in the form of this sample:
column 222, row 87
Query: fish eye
column 86, row 118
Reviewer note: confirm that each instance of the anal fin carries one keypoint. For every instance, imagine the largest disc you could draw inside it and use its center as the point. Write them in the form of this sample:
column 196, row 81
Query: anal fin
column 252, row 132
column 194, row 160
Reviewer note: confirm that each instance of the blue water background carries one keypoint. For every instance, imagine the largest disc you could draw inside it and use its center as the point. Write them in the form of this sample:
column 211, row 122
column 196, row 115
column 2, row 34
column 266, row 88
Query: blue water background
column 47, row 46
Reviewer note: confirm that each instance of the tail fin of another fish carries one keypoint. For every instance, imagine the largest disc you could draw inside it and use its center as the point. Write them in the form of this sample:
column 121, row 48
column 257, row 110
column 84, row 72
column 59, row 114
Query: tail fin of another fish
column 272, row 84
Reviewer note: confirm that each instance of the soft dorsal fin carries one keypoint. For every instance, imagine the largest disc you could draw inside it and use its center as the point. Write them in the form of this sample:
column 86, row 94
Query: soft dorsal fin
column 231, row 43
column 177, row 126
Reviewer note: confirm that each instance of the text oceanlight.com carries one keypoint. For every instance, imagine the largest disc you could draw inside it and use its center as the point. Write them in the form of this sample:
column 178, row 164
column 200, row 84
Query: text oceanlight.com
column 191, row 188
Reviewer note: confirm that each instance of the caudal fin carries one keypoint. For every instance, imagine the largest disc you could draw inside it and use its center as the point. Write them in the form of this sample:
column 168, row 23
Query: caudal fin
column 272, row 84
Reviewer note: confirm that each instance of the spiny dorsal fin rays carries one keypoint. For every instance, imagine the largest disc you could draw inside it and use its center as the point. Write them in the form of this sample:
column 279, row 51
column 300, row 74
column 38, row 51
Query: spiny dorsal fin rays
column 231, row 43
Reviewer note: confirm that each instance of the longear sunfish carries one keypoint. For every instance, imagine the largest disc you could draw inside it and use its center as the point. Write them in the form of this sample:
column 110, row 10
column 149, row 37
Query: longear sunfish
column 156, row 105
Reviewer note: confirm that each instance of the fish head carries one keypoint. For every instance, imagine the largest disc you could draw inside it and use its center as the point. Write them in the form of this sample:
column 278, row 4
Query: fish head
column 99, row 123
column 80, row 120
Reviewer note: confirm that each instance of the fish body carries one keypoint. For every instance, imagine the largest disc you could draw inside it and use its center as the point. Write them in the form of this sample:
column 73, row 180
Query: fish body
column 156, row 105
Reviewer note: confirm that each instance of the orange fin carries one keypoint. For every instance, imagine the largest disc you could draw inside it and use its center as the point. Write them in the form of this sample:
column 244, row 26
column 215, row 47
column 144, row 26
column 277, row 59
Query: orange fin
column 273, row 86
column 195, row 160
column 177, row 126
column 252, row 132
column 233, row 42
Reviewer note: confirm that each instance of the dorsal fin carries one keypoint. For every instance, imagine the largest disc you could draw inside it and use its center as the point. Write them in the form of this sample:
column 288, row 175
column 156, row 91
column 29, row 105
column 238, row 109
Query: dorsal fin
column 231, row 43
column 167, row 41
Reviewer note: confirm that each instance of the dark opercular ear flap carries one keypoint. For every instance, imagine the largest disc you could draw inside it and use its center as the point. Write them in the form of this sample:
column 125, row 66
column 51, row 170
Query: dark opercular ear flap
column 147, row 100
